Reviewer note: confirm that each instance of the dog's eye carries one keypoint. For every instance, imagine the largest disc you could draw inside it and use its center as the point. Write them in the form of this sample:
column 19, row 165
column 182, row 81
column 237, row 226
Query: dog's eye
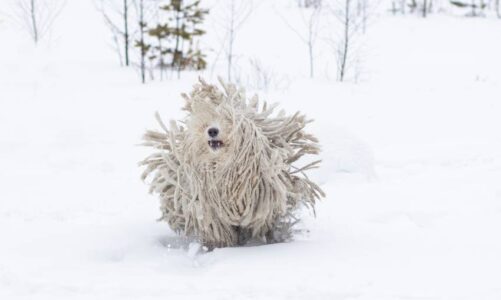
column 203, row 126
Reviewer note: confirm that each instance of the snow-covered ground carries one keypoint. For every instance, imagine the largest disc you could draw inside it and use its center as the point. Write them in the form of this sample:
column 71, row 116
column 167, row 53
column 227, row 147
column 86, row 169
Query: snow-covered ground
column 412, row 171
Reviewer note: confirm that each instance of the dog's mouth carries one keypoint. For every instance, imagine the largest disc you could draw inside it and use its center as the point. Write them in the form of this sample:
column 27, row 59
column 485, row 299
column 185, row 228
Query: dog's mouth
column 215, row 144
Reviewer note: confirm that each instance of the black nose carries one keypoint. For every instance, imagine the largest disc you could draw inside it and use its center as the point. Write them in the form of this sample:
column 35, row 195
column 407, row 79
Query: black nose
column 213, row 132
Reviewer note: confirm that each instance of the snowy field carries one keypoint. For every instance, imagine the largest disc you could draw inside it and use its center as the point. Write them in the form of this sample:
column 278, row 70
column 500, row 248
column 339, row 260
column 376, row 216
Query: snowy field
column 412, row 169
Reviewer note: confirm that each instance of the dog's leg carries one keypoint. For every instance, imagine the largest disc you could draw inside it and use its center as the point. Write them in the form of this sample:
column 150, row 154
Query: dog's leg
column 209, row 246
column 270, row 237
column 243, row 235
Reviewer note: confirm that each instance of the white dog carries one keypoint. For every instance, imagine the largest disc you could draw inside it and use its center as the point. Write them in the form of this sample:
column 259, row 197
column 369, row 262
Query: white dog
column 226, row 175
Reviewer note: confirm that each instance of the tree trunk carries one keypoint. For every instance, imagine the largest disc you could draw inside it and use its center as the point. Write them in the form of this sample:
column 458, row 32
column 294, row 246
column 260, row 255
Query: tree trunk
column 425, row 8
column 161, row 59
column 310, row 51
column 34, row 21
column 141, row 38
column 346, row 41
column 364, row 16
column 497, row 9
column 181, row 50
column 180, row 57
column 176, row 57
column 230, row 55
column 126, row 32
column 311, row 32
column 413, row 5
column 231, row 38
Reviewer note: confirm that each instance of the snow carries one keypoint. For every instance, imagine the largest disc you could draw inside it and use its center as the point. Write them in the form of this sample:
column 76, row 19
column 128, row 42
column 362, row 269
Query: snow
column 412, row 170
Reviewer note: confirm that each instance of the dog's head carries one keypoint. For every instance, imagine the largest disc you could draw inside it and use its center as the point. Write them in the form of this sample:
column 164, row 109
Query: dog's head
column 211, row 129
column 224, row 129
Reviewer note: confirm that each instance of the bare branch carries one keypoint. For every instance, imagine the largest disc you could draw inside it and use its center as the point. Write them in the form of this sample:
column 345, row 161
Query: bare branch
column 311, row 22
column 37, row 16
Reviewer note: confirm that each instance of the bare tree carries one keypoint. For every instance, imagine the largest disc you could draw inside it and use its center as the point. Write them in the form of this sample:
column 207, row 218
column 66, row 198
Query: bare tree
column 345, row 42
column 345, row 37
column 142, row 27
column 233, row 16
column 38, row 16
column 426, row 8
column 143, row 48
column 399, row 6
column 403, row 4
column 126, row 30
column 311, row 22
column 144, row 12
column 362, row 12
column 412, row 5
column 116, row 14
column 262, row 77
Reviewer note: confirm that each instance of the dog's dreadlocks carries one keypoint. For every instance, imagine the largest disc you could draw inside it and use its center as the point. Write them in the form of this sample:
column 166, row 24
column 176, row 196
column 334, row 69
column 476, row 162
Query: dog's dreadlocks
column 250, row 188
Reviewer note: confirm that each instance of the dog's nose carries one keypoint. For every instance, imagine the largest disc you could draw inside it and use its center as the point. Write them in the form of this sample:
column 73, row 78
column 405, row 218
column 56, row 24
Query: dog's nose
column 213, row 132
